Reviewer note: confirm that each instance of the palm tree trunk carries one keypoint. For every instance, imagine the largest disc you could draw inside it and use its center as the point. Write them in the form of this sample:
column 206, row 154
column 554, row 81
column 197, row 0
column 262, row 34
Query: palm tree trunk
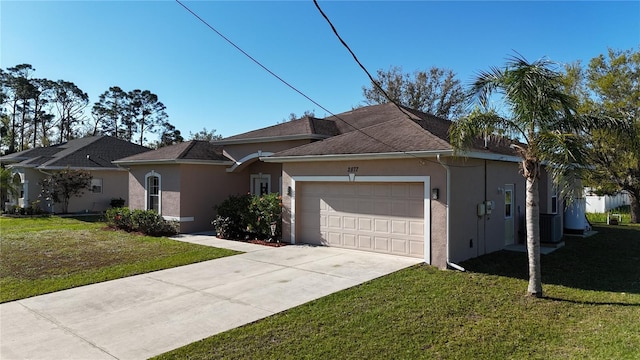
column 634, row 195
column 533, row 237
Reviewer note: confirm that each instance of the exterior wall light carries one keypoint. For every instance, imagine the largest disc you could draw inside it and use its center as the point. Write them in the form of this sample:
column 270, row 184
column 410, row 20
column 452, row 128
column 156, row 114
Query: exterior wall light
column 435, row 193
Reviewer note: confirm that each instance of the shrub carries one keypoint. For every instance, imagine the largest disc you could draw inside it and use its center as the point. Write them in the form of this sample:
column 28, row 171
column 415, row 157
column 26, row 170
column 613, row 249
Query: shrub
column 225, row 228
column 233, row 217
column 266, row 210
column 119, row 218
column 147, row 222
column 240, row 216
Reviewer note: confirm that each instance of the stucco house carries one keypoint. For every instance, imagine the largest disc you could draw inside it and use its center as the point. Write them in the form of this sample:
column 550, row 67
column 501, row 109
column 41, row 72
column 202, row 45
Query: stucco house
column 185, row 181
column 94, row 154
column 377, row 178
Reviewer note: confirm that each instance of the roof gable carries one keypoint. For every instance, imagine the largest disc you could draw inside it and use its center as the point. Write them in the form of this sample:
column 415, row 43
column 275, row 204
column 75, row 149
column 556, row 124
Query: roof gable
column 194, row 150
column 304, row 128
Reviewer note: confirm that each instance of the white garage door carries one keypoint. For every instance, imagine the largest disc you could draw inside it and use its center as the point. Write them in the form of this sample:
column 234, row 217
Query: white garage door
column 380, row 217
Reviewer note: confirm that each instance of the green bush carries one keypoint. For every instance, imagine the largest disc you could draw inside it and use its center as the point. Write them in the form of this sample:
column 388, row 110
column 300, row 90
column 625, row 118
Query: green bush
column 266, row 210
column 233, row 217
column 243, row 216
column 33, row 209
column 147, row 222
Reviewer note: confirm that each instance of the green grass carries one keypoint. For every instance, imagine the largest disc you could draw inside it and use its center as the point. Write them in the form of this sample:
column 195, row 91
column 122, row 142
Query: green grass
column 592, row 311
column 601, row 218
column 42, row 255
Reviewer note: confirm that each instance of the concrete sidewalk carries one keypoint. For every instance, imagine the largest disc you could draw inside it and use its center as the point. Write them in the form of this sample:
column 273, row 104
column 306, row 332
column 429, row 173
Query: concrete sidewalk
column 145, row 315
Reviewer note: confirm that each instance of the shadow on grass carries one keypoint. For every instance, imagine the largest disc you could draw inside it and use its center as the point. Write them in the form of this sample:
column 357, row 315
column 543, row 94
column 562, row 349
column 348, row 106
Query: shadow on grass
column 608, row 261
column 90, row 218
column 596, row 303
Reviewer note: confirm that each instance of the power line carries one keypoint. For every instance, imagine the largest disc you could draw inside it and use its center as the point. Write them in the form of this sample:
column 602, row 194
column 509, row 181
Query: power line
column 303, row 94
column 373, row 81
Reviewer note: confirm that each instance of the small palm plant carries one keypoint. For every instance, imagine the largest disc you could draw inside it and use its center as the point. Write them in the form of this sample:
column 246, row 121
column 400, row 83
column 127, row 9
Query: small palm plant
column 549, row 131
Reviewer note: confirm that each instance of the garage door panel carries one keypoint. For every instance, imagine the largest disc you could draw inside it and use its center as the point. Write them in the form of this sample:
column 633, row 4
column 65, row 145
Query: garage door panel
column 349, row 240
column 382, row 244
column 380, row 217
column 349, row 222
column 416, row 228
column 382, row 190
column 399, row 227
column 335, row 222
column 364, row 224
column 399, row 246
column 382, row 226
column 382, row 207
column 364, row 242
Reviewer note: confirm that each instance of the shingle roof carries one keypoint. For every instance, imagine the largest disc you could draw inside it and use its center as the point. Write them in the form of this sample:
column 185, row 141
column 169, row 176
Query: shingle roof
column 387, row 129
column 191, row 150
column 309, row 127
column 89, row 152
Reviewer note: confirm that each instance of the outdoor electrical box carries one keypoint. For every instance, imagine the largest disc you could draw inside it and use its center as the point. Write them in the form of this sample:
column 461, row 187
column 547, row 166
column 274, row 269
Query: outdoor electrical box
column 481, row 209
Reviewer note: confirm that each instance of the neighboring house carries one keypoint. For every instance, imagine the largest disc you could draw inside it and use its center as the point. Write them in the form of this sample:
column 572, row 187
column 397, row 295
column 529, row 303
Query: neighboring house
column 94, row 154
column 376, row 178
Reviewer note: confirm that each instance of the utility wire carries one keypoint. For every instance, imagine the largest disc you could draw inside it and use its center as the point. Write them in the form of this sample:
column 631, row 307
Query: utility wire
column 291, row 86
column 373, row 81
column 421, row 160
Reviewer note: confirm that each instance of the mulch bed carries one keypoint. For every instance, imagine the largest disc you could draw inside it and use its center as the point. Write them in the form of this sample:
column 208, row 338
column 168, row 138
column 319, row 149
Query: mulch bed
column 266, row 243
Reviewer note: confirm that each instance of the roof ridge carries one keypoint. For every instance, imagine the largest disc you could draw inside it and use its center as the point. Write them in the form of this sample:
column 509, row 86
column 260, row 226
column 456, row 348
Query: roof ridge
column 312, row 124
column 92, row 140
column 184, row 152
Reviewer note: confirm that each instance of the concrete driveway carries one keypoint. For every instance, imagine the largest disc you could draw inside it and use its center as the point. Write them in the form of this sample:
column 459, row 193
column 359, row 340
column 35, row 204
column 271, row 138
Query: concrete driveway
column 146, row 315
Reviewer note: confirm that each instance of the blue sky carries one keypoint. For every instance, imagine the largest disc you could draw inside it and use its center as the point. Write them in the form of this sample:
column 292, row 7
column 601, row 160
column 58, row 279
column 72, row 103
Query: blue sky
column 205, row 82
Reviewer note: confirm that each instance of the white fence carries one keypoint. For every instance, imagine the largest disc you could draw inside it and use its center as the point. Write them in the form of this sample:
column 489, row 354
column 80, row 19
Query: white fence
column 602, row 204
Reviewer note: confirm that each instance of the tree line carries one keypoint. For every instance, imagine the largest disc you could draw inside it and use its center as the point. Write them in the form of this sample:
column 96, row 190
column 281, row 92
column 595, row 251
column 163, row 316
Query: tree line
column 41, row 112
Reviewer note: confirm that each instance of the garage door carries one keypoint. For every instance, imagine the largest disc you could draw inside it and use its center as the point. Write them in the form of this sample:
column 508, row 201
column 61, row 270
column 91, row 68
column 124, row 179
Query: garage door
column 380, row 217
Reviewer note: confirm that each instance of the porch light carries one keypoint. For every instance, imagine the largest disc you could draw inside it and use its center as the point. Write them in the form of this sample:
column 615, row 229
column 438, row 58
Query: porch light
column 435, row 193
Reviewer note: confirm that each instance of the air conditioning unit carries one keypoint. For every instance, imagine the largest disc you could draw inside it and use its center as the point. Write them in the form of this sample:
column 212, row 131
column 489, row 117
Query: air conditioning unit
column 550, row 228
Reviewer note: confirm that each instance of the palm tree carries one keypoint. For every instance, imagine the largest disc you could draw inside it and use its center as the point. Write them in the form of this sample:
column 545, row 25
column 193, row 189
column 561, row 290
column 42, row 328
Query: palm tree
column 543, row 120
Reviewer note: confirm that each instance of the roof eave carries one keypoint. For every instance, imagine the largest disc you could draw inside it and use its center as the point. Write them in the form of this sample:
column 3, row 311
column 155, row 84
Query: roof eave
column 368, row 156
column 173, row 162
column 490, row 156
column 54, row 168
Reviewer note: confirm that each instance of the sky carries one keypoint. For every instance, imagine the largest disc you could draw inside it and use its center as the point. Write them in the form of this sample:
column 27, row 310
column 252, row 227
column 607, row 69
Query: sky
column 207, row 83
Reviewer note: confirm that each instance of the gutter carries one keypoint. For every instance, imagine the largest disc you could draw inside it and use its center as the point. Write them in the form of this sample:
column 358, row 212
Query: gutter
column 342, row 157
column 449, row 263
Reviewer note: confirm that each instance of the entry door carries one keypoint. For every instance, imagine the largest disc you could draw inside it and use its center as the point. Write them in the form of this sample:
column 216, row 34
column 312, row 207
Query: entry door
column 260, row 184
column 509, row 228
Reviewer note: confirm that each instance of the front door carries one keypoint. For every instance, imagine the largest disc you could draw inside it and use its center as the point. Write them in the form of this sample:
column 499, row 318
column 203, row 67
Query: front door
column 509, row 228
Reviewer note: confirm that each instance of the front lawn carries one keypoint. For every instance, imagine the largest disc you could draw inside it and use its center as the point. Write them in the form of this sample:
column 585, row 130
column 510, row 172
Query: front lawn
column 592, row 311
column 42, row 255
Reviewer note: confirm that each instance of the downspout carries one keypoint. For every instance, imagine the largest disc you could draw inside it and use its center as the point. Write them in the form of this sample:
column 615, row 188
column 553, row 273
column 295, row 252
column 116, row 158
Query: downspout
column 449, row 263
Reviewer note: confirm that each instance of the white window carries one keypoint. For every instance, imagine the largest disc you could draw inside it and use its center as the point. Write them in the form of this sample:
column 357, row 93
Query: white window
column 96, row 186
column 153, row 192
column 508, row 203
